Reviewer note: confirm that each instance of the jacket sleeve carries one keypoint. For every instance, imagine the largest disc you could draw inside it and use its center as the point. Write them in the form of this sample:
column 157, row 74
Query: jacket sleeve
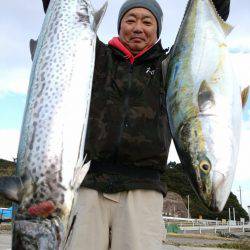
column 223, row 7
column 45, row 4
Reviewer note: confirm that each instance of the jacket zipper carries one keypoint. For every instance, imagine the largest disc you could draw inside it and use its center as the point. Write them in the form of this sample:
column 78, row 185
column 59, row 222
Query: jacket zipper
column 126, row 106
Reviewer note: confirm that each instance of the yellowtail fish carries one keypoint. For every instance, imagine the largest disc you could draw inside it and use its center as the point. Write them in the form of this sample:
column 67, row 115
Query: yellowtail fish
column 204, row 103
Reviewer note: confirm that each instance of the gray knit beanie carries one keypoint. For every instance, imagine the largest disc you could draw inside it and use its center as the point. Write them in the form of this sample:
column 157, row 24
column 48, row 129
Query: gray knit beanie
column 150, row 5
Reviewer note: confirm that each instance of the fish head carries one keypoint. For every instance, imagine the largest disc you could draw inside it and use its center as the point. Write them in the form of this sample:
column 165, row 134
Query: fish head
column 207, row 149
column 36, row 233
column 193, row 156
column 221, row 143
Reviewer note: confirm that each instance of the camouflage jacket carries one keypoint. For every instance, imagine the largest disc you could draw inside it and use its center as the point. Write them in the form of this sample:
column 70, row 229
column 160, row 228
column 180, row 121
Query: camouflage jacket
column 128, row 136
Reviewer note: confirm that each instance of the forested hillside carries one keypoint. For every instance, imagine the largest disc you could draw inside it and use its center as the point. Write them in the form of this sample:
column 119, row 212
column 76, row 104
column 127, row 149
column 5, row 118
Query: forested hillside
column 6, row 168
column 176, row 182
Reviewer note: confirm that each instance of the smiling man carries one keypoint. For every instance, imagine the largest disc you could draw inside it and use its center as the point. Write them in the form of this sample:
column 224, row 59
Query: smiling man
column 138, row 30
column 128, row 139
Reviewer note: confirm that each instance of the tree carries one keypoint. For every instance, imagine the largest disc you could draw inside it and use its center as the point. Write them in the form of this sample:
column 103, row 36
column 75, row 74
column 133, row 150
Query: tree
column 177, row 181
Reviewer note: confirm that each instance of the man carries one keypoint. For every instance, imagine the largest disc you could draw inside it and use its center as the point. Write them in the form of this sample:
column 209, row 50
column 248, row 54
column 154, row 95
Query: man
column 128, row 136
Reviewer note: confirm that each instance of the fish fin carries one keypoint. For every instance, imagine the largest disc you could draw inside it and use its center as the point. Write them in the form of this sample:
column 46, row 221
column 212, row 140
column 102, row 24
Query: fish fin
column 164, row 69
column 10, row 187
column 227, row 28
column 244, row 96
column 33, row 44
column 98, row 15
column 205, row 97
column 80, row 172
column 70, row 231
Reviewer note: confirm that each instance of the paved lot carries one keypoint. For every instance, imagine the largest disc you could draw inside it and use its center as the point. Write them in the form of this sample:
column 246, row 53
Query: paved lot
column 6, row 238
column 5, row 241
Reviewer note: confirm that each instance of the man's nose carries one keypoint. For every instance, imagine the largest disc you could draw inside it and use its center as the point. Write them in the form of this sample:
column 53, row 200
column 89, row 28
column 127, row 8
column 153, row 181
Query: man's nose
column 138, row 27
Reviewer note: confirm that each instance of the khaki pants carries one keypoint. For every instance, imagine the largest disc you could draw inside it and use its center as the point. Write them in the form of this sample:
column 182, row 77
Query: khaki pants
column 133, row 218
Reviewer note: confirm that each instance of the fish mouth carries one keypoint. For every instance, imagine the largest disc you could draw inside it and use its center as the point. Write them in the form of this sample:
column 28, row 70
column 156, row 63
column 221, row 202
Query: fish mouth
column 210, row 185
column 213, row 191
column 221, row 191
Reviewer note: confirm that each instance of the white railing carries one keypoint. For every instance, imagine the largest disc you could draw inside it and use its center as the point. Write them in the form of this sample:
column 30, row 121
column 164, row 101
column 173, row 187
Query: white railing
column 187, row 224
column 216, row 228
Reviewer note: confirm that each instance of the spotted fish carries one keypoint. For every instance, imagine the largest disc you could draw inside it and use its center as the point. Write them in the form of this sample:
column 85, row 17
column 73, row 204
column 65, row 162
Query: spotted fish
column 50, row 162
column 204, row 103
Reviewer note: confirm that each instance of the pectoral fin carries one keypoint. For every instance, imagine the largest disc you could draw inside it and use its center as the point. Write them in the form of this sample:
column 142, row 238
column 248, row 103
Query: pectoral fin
column 10, row 187
column 205, row 97
column 164, row 69
column 244, row 96
column 33, row 44
column 80, row 172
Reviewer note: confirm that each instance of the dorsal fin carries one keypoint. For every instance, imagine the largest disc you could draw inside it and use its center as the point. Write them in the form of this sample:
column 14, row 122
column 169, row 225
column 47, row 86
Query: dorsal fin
column 164, row 69
column 33, row 44
column 244, row 96
column 227, row 28
column 205, row 97
column 98, row 15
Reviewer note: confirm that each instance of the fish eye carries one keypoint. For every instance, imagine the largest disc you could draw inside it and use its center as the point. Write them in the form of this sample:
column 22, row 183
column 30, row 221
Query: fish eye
column 205, row 166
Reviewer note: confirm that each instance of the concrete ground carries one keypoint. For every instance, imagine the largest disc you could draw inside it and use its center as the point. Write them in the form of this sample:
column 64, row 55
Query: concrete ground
column 5, row 241
column 170, row 247
column 5, row 244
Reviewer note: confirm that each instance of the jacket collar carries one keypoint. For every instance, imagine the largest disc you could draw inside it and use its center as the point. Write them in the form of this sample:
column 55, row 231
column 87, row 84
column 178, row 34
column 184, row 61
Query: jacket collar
column 147, row 54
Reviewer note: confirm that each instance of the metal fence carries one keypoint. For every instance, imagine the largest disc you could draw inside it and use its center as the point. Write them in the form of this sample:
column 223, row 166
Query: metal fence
column 200, row 225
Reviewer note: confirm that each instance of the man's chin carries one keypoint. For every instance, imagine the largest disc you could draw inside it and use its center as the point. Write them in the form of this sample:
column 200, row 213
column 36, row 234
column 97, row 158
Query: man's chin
column 137, row 48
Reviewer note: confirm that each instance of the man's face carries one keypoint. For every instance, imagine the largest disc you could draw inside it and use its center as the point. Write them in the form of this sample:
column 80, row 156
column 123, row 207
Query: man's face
column 138, row 30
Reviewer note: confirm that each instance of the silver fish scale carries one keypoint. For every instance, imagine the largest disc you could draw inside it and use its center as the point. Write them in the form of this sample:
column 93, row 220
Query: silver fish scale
column 55, row 121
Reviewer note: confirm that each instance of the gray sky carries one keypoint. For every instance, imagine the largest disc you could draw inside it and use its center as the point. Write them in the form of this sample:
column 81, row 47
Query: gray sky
column 21, row 20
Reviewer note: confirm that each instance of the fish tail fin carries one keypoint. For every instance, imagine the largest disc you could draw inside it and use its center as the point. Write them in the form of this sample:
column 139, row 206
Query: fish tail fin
column 98, row 15
column 227, row 28
column 10, row 187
